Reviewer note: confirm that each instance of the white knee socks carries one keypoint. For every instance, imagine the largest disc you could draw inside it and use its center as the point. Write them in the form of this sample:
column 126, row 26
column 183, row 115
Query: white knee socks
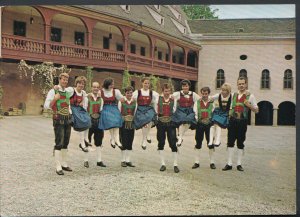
column 211, row 134
column 175, row 155
column 197, row 156
column 162, row 159
column 57, row 155
column 98, row 154
column 239, row 156
column 127, row 155
column 64, row 157
column 123, row 154
column 211, row 155
column 230, row 154
column 218, row 135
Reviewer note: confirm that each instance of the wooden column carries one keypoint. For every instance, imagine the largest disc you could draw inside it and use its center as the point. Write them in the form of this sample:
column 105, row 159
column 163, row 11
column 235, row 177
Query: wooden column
column 125, row 30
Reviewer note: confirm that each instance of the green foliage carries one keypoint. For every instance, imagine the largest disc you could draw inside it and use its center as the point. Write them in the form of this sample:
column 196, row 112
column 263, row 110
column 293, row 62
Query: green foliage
column 1, row 92
column 126, row 79
column 89, row 78
column 41, row 74
column 170, row 82
column 199, row 12
column 153, row 82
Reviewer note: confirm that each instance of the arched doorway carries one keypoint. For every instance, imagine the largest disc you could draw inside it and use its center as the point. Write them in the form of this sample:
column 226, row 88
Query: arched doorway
column 192, row 59
column 286, row 113
column 265, row 114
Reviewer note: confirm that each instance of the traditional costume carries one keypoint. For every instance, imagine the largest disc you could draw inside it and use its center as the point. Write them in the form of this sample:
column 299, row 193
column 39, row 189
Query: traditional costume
column 166, row 127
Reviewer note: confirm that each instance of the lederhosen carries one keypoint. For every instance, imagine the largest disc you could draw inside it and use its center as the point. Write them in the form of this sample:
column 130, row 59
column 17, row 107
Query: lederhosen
column 221, row 112
column 62, row 120
column 165, row 125
column 94, row 111
column 145, row 113
column 238, row 121
column 184, row 113
column 203, row 123
column 127, row 130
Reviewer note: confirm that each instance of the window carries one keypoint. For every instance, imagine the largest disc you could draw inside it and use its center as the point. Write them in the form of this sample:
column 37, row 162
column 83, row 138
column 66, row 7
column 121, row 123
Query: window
column 126, row 8
column 105, row 42
column 167, row 57
column 55, row 34
column 79, row 38
column 265, row 79
column 159, row 55
column 174, row 59
column 288, row 57
column 243, row 57
column 220, row 78
column 181, row 59
column 243, row 73
column 157, row 7
column 288, row 79
column 19, row 28
column 119, row 47
column 162, row 21
column 179, row 16
column 143, row 51
column 132, row 48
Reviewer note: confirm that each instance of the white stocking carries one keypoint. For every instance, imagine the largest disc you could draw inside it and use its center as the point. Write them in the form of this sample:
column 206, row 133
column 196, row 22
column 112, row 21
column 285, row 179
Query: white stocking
column 117, row 136
column 239, row 156
column 211, row 155
column 161, row 155
column 211, row 134
column 98, row 154
column 175, row 155
column 57, row 155
column 230, row 154
column 218, row 135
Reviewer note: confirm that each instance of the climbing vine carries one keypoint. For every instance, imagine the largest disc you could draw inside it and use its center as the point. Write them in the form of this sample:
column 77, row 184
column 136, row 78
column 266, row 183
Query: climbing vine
column 89, row 77
column 1, row 92
column 42, row 74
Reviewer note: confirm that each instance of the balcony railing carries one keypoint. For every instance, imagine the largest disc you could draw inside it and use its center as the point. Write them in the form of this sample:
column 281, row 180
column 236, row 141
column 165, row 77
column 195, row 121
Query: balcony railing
column 40, row 50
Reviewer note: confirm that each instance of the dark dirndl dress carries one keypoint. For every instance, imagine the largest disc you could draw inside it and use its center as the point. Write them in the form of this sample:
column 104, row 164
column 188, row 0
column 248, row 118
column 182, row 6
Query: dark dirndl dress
column 110, row 117
column 184, row 116
column 143, row 116
column 220, row 118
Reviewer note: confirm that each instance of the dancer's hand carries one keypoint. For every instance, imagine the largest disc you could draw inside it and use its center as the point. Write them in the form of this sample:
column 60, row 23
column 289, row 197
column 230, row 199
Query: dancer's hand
column 55, row 87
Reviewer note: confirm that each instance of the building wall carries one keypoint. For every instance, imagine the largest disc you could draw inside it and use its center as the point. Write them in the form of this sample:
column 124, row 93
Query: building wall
column 262, row 54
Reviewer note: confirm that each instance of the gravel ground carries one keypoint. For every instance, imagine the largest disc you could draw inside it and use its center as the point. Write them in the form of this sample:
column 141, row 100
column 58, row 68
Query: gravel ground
column 30, row 186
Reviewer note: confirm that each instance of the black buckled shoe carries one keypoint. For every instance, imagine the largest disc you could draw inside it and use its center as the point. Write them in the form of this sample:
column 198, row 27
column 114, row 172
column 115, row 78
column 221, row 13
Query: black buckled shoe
column 144, row 147
column 227, row 167
column 87, row 143
column 67, row 169
column 86, row 164
column 123, row 164
column 85, row 149
column 217, row 145
column 240, row 168
column 112, row 145
column 212, row 166
column 196, row 165
column 130, row 164
column 101, row 164
column 162, row 168
column 149, row 140
column 176, row 169
column 60, row 172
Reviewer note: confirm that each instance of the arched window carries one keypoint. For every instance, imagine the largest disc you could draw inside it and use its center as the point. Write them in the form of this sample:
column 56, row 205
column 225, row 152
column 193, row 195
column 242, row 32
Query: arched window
column 265, row 79
column 220, row 78
column 288, row 79
column 243, row 73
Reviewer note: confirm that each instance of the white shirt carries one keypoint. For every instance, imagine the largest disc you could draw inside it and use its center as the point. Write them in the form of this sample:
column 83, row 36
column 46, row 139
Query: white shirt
column 109, row 93
column 155, row 96
column 215, row 98
column 195, row 96
column 195, row 108
column 174, row 107
column 82, row 93
column 129, row 101
column 50, row 97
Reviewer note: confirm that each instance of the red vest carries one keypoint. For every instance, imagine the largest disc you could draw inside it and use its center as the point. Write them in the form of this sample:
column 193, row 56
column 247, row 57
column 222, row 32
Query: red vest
column 75, row 99
column 165, row 108
column 109, row 100
column 94, row 105
column 128, row 108
column 144, row 100
column 207, row 110
column 186, row 102
column 238, row 107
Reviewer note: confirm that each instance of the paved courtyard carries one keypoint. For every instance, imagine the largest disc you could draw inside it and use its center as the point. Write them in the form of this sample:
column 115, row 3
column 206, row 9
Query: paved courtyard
column 30, row 186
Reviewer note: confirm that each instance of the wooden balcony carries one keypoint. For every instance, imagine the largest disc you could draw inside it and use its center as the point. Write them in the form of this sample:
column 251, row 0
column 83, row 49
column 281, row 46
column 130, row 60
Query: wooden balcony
column 16, row 47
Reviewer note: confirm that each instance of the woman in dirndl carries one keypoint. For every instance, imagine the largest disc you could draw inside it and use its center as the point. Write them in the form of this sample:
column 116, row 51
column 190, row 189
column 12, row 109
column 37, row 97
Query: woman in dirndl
column 145, row 116
column 111, row 118
column 184, row 115
column 222, row 102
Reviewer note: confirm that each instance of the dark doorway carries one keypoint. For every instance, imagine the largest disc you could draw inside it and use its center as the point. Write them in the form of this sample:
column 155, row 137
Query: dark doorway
column 265, row 114
column 286, row 113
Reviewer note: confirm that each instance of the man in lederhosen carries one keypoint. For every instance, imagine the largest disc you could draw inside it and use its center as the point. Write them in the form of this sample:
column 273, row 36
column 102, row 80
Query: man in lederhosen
column 242, row 101
column 59, row 102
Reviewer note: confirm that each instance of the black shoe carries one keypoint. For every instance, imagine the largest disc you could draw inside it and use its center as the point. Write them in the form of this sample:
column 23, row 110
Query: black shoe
column 149, row 140
column 130, row 164
column 121, row 147
column 59, row 172
column 112, row 145
column 217, row 145
column 87, row 143
column 227, row 167
column 176, row 169
column 212, row 166
column 196, row 165
column 144, row 147
column 101, row 164
column 123, row 164
column 67, row 169
column 162, row 168
column 86, row 164
column 85, row 149
column 179, row 144
column 240, row 168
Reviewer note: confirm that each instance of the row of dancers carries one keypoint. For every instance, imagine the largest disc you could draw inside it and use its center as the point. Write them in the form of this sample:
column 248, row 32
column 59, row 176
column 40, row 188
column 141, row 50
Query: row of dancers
column 143, row 109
